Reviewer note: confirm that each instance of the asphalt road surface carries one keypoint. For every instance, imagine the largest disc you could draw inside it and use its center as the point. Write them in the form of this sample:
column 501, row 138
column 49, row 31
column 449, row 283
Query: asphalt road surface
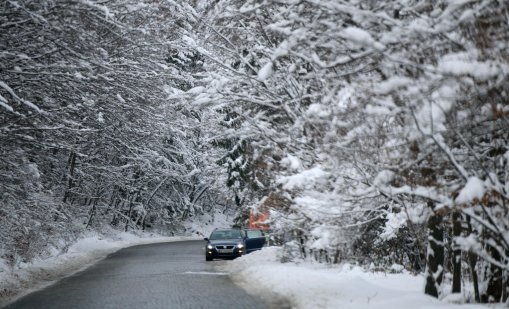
column 165, row 275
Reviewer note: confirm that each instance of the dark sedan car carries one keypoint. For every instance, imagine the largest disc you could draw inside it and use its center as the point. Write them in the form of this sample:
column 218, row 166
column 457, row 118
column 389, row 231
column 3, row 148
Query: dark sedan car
column 232, row 243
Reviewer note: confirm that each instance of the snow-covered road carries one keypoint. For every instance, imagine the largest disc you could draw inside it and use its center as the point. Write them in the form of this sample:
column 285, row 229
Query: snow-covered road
column 163, row 275
column 168, row 275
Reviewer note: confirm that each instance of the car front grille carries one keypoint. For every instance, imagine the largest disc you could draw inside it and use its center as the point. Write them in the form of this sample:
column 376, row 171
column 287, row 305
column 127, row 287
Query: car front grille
column 223, row 247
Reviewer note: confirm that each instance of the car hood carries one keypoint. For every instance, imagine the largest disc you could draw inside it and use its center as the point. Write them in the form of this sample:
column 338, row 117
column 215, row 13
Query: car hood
column 225, row 241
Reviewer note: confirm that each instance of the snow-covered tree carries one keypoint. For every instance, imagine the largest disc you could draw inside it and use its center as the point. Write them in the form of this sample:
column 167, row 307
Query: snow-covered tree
column 391, row 112
column 94, row 126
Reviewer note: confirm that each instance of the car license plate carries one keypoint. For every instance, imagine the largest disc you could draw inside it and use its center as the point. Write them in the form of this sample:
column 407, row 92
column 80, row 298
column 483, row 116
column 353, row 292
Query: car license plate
column 225, row 250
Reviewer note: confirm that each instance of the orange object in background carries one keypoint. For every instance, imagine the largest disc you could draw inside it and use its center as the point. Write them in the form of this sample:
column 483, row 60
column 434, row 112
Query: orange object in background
column 257, row 221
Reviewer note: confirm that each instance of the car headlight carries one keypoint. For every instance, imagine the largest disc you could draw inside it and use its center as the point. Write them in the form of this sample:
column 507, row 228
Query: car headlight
column 209, row 247
column 240, row 245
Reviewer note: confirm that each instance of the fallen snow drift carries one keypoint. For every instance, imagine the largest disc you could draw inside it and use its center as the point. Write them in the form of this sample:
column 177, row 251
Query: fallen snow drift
column 311, row 285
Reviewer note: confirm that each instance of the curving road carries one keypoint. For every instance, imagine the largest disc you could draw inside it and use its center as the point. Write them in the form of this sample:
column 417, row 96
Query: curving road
column 165, row 275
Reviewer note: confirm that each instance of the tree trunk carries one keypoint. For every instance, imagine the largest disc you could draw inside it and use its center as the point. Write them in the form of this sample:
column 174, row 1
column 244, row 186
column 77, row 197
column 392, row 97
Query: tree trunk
column 495, row 280
column 456, row 254
column 435, row 255
column 91, row 214
column 70, row 175
column 505, row 287
column 144, row 225
column 472, row 261
column 128, row 215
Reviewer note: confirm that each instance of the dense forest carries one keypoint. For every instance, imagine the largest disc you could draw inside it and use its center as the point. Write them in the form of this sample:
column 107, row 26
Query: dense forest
column 372, row 131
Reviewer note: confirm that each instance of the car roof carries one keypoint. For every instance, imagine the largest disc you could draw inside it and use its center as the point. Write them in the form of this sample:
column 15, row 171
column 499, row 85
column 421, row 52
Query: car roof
column 226, row 229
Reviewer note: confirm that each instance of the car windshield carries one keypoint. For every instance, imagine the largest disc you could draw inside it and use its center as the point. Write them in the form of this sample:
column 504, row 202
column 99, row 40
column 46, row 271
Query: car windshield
column 228, row 234
column 254, row 233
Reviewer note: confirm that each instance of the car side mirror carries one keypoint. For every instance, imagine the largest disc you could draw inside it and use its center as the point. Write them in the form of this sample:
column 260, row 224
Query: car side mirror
column 206, row 239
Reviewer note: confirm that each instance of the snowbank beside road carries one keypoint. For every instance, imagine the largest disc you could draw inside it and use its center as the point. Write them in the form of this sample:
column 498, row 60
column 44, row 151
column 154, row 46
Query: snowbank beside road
column 310, row 285
column 25, row 278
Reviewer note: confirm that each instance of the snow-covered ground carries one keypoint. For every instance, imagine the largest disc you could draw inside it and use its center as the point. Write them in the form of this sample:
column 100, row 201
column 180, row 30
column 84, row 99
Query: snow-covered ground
column 311, row 285
column 25, row 278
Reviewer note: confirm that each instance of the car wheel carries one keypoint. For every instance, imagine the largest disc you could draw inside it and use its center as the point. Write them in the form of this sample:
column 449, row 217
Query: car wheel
column 208, row 258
